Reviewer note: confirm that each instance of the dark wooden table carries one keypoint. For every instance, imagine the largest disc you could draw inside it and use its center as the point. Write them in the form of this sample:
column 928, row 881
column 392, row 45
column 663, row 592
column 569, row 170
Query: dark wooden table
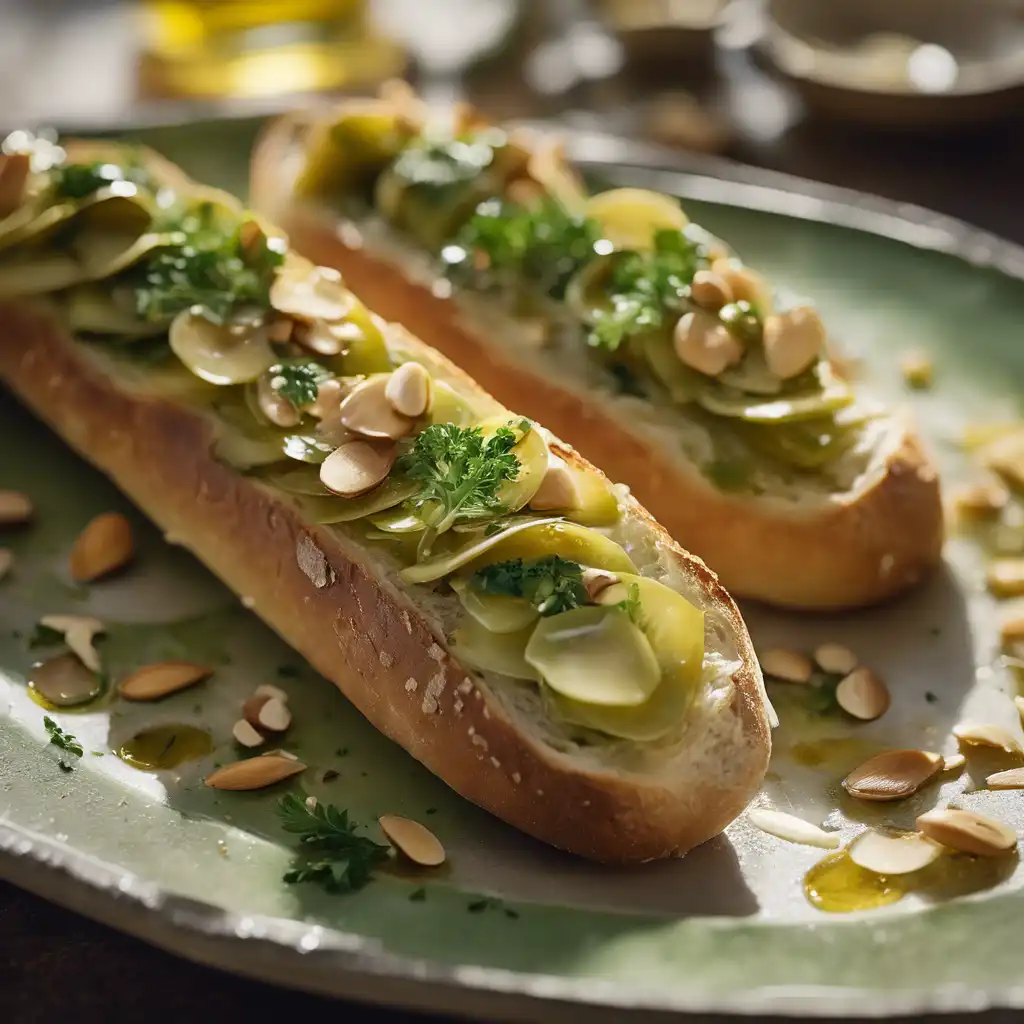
column 56, row 965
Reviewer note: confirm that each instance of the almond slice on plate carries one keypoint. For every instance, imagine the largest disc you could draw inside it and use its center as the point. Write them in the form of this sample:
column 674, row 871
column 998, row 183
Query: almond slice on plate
column 151, row 682
column 792, row 829
column 968, row 832
column 256, row 772
column 15, row 508
column 414, row 840
column 987, row 734
column 104, row 546
column 789, row 666
column 408, row 390
column 893, row 855
column 892, row 775
column 835, row 659
column 357, row 467
column 863, row 695
column 246, row 735
column 367, row 411
column 79, row 631
column 274, row 715
column 1012, row 778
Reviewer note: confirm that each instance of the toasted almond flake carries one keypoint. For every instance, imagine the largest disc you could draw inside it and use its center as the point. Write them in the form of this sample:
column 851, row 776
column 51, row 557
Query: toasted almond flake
column 79, row 631
column 6, row 561
column 252, row 707
column 710, row 290
column 414, row 840
column 892, row 775
column 596, row 580
column 408, row 390
column 863, row 695
column 357, row 467
column 15, row 508
column 789, row 666
column 151, row 682
column 278, row 409
column 255, row 773
column 557, row 488
column 1012, row 778
column 1011, row 625
column 308, row 292
column 367, row 411
column 987, row 734
column 246, row 735
column 269, row 690
column 105, row 545
column 274, row 716
column 792, row 340
column 968, row 832
column 703, row 342
column 981, row 499
column 893, row 855
column 917, row 368
column 953, row 762
column 1006, row 577
column 792, row 829
column 835, row 658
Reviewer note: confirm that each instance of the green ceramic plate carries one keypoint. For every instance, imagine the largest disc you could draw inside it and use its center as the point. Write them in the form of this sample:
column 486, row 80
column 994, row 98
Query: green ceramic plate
column 726, row 929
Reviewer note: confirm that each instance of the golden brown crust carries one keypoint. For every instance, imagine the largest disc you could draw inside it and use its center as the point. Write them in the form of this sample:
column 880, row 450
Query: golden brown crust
column 855, row 550
column 311, row 587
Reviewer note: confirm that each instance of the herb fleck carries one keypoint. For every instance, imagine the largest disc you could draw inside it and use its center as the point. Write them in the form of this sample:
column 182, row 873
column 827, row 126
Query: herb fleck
column 298, row 380
column 62, row 741
column 418, row 896
column 932, row 698
column 551, row 584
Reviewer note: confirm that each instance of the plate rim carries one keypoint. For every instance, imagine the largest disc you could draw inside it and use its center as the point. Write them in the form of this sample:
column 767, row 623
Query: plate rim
column 330, row 962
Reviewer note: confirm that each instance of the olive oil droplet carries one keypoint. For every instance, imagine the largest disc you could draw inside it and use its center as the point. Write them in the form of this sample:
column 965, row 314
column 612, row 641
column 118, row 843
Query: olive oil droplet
column 165, row 746
column 838, row 885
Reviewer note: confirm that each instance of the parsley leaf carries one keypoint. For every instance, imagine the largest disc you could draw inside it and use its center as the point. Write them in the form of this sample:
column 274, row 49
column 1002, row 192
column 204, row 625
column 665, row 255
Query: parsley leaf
column 438, row 168
column 79, row 181
column 631, row 604
column 643, row 287
column 207, row 266
column 460, row 472
column 298, row 380
column 503, row 242
column 62, row 740
column 551, row 584
column 345, row 860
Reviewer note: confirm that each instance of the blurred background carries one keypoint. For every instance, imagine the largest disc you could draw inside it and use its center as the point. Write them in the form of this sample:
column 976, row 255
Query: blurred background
column 919, row 100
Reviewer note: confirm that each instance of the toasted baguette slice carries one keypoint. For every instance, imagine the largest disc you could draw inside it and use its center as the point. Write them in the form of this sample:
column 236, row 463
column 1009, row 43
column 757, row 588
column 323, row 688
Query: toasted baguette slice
column 866, row 535
column 385, row 644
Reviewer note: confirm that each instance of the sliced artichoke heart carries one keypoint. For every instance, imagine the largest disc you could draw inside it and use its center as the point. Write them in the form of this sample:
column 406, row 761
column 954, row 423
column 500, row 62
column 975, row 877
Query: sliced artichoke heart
column 598, row 505
column 595, row 655
column 220, row 354
column 532, row 453
column 675, row 630
column 393, row 491
column 37, row 272
column 397, row 521
column 495, row 612
column 476, row 646
column 827, row 394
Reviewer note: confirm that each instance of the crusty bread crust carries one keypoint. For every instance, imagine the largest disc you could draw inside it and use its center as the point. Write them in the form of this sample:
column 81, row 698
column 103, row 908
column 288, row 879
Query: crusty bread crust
column 310, row 585
column 846, row 551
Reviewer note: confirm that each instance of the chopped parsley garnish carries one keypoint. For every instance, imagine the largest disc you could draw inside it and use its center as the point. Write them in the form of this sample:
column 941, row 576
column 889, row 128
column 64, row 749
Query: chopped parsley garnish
column 741, row 320
column 551, row 584
column 299, row 380
column 643, row 287
column 79, row 181
column 207, row 268
column 631, row 604
column 62, row 741
column 343, row 861
column 505, row 242
column 435, row 169
column 460, row 472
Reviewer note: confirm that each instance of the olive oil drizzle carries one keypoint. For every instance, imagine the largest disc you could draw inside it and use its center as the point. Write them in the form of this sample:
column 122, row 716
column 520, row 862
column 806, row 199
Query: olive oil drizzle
column 165, row 746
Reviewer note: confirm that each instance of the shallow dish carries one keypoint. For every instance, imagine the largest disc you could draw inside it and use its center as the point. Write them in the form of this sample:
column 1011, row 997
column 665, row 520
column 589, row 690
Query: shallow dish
column 511, row 929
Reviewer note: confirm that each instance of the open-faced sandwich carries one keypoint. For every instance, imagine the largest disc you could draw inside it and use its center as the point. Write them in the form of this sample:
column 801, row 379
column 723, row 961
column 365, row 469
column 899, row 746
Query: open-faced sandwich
column 478, row 590
column 636, row 335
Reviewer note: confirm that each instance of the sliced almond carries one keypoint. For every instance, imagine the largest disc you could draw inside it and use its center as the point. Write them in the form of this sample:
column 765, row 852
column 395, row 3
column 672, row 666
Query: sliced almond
column 745, row 284
column 836, row 659
column 968, row 832
column 792, row 829
column 329, row 396
column 408, row 390
column 255, row 773
column 274, row 405
column 320, row 337
column 308, row 292
column 15, row 508
column 79, row 631
column 863, row 695
column 557, row 488
column 252, row 707
column 789, row 666
column 104, row 546
column 987, row 734
column 151, row 682
column 704, row 343
column 6, row 561
column 892, row 775
column 1011, row 625
column 953, row 762
column 274, row 716
column 597, row 580
column 246, row 735
column 269, row 690
column 982, row 499
column 1012, row 778
column 893, row 855
column 414, row 840
column 792, row 341
column 1006, row 577
column 709, row 290
column 357, row 467
column 367, row 412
